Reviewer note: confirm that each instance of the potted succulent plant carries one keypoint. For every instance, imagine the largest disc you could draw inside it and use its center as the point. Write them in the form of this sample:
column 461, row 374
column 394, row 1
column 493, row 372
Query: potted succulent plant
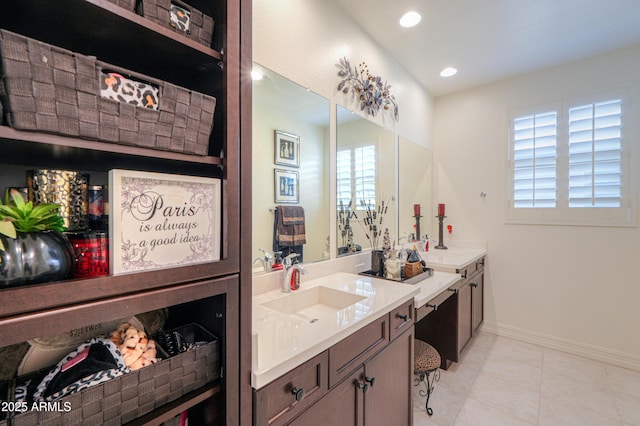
column 32, row 246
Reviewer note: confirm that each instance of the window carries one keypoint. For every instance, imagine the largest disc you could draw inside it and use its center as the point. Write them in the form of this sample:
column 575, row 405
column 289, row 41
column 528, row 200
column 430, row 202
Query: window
column 535, row 160
column 356, row 177
column 569, row 164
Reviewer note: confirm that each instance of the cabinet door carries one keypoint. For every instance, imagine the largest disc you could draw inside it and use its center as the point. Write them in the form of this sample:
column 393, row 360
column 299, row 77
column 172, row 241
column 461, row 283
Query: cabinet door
column 477, row 296
column 389, row 374
column 464, row 317
column 291, row 394
column 343, row 405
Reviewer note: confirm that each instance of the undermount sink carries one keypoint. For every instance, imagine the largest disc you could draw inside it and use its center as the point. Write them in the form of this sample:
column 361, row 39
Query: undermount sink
column 316, row 298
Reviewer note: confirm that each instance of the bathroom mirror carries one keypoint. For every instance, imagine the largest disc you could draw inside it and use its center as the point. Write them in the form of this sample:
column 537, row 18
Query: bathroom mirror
column 365, row 171
column 415, row 187
column 290, row 127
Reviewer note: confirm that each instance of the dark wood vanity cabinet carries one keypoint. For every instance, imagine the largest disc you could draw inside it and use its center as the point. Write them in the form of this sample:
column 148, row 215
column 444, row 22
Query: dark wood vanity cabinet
column 450, row 320
column 369, row 380
column 215, row 294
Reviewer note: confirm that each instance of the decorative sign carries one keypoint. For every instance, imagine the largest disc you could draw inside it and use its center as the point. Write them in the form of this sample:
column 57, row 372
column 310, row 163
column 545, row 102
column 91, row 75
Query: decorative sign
column 161, row 221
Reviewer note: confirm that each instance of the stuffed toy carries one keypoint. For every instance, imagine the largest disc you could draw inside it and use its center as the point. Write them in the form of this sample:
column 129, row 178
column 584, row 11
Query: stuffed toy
column 137, row 350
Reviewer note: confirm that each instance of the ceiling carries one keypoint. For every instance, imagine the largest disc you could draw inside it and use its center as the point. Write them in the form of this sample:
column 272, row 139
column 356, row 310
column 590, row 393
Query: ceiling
column 491, row 40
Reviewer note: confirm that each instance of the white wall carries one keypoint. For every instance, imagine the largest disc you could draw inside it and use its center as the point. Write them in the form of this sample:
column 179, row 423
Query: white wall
column 576, row 288
column 303, row 41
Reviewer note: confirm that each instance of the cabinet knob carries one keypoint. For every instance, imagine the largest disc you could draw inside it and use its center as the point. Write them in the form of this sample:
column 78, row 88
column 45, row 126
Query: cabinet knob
column 364, row 387
column 298, row 393
column 403, row 317
column 474, row 284
column 370, row 380
column 455, row 290
column 435, row 307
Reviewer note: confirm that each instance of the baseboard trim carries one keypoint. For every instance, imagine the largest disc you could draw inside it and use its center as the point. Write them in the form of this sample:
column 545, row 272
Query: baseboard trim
column 608, row 356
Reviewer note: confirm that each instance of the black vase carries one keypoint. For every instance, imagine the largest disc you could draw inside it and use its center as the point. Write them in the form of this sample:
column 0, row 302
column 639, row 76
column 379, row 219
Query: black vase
column 377, row 262
column 35, row 257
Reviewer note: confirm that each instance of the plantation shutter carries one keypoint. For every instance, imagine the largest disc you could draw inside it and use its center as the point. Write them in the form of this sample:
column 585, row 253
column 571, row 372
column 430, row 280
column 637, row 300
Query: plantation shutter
column 595, row 149
column 534, row 160
column 365, row 176
column 343, row 179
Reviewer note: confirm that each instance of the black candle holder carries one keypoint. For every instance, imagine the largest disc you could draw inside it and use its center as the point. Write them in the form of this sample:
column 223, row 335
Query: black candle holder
column 440, row 245
column 417, row 235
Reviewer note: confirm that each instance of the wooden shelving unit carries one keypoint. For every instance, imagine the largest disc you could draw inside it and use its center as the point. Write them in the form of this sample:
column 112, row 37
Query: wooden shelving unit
column 217, row 294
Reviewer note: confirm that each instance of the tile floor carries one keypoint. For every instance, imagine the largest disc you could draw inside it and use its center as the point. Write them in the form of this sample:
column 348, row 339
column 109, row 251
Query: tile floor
column 500, row 381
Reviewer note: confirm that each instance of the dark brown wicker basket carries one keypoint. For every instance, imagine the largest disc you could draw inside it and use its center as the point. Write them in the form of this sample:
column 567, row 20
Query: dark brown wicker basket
column 127, row 4
column 48, row 89
column 200, row 25
column 135, row 394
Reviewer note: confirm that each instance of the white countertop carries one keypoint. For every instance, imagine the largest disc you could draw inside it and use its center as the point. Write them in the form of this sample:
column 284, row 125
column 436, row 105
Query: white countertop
column 433, row 286
column 452, row 258
column 283, row 341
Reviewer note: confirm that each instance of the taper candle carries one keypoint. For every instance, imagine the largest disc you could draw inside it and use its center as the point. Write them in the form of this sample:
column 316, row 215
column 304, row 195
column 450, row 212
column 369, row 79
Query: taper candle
column 440, row 209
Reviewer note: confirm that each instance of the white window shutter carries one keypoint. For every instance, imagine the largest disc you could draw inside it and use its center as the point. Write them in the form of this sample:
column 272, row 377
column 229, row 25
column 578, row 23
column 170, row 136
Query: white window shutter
column 534, row 160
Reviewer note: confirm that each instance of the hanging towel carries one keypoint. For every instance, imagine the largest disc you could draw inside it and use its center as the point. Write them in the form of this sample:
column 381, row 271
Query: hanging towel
column 290, row 226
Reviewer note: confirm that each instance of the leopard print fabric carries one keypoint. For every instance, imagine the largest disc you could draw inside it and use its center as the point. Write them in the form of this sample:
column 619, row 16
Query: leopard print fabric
column 87, row 381
column 119, row 88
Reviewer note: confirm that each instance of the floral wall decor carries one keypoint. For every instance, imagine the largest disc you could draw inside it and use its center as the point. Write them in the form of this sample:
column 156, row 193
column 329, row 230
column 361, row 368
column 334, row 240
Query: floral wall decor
column 369, row 90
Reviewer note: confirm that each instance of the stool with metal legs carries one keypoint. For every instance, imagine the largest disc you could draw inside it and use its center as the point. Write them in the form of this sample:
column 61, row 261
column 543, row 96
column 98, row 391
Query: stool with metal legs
column 426, row 364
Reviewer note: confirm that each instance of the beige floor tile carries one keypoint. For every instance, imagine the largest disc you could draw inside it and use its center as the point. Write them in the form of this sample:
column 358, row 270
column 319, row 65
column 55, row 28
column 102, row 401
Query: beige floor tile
column 623, row 380
column 516, row 351
column 444, row 401
column 575, row 367
column 507, row 396
column 513, row 371
column 578, row 394
column 504, row 382
column 459, row 377
column 555, row 412
column 476, row 413
column 628, row 407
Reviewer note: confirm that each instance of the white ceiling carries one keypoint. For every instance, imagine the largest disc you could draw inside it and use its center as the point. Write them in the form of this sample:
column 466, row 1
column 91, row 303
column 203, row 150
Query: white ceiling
column 491, row 40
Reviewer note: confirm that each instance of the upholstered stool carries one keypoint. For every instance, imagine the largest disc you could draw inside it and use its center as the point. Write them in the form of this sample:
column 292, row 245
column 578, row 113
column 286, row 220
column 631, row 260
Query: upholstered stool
column 426, row 364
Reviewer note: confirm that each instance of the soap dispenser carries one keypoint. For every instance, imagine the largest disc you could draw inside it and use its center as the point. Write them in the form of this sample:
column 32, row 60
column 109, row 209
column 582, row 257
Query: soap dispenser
column 277, row 264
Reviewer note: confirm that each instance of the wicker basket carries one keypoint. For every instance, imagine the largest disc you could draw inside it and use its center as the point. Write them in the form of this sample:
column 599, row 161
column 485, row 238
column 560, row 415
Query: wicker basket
column 127, row 4
column 48, row 89
column 200, row 26
column 135, row 394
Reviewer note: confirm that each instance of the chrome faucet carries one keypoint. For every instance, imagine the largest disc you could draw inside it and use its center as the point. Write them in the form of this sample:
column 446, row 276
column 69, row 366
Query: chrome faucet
column 267, row 260
column 289, row 267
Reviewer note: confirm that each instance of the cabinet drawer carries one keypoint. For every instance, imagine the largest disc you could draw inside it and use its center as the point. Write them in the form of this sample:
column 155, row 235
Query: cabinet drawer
column 434, row 303
column 347, row 355
column 276, row 403
column 401, row 318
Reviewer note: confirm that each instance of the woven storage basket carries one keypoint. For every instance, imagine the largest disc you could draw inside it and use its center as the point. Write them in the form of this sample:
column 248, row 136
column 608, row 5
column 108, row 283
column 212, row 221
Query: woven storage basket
column 127, row 4
column 135, row 394
column 200, row 25
column 48, row 89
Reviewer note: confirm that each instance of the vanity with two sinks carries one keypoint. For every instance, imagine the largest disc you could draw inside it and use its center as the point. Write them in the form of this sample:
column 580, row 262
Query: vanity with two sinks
column 335, row 350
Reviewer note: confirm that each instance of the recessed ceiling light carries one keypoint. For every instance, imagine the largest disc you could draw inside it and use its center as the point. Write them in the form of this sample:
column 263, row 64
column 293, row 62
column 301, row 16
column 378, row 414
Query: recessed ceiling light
column 448, row 72
column 410, row 19
column 256, row 74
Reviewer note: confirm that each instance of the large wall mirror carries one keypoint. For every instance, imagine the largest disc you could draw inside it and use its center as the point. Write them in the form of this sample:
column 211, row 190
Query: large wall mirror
column 415, row 188
column 290, row 162
column 365, row 183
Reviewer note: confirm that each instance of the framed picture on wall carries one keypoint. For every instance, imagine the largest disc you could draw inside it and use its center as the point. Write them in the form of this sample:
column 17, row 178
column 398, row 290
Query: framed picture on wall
column 286, row 184
column 286, row 149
